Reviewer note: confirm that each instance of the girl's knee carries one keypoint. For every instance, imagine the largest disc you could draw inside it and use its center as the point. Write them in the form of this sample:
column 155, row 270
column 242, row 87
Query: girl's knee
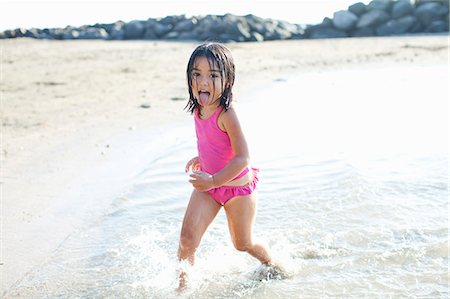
column 242, row 245
column 188, row 241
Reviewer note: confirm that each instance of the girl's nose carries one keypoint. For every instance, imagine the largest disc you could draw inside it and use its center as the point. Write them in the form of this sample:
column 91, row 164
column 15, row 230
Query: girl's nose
column 204, row 80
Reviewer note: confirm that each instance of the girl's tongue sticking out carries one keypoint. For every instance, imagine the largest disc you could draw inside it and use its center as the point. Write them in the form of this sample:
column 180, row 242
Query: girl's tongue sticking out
column 204, row 98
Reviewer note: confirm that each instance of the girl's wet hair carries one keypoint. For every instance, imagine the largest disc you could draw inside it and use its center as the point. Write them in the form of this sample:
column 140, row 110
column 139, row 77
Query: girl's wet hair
column 218, row 56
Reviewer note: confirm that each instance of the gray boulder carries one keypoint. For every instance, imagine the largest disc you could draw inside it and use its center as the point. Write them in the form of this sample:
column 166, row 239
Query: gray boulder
column 117, row 32
column 300, row 32
column 238, row 29
column 149, row 32
column 326, row 23
column 226, row 37
column 280, row 33
column 255, row 23
column 93, row 33
column 19, row 32
column 269, row 31
column 344, row 20
column 216, row 24
column 407, row 22
column 45, row 33
column 372, row 18
column 172, row 35
column 384, row 5
column 256, row 37
column 134, row 29
column 72, row 34
column 107, row 27
column 437, row 26
column 420, row 2
column 362, row 32
column 57, row 33
column 185, row 25
column 278, row 30
column 187, row 35
column 417, row 28
column 402, row 8
column 235, row 27
column 204, row 29
column 396, row 27
column 160, row 29
column 243, row 30
column 429, row 12
column 327, row 33
column 358, row 8
column 7, row 34
column 292, row 28
column 172, row 20
column 35, row 33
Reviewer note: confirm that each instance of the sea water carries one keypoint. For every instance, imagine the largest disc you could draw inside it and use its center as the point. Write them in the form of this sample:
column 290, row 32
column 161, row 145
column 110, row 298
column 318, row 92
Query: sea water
column 353, row 200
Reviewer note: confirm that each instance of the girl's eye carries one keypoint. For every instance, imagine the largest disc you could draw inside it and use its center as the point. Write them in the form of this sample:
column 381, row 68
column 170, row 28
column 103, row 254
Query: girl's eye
column 212, row 76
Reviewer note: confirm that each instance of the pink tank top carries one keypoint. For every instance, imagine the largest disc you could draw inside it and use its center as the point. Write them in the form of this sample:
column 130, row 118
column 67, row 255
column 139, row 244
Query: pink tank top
column 213, row 144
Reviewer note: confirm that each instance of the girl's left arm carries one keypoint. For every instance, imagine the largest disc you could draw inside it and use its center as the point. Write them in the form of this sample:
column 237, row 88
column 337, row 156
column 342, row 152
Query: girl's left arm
column 241, row 160
column 230, row 122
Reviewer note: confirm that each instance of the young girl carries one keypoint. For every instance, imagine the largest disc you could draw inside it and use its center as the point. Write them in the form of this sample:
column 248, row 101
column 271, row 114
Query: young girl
column 222, row 175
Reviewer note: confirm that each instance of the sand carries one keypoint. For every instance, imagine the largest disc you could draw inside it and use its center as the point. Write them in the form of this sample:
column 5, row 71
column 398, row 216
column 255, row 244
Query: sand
column 71, row 110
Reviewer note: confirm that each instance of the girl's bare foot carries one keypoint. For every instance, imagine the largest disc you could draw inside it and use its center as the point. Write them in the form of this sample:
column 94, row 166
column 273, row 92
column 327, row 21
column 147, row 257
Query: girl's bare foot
column 182, row 282
column 270, row 272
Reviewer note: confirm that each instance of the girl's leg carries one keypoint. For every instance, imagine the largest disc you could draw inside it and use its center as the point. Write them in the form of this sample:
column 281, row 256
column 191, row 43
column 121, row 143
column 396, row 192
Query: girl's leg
column 201, row 211
column 241, row 212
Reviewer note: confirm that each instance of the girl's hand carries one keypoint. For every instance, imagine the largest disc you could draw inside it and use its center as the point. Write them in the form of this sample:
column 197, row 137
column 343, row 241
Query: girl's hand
column 194, row 163
column 202, row 181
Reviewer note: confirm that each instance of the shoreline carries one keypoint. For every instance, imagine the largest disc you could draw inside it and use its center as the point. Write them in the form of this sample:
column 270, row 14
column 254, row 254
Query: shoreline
column 66, row 103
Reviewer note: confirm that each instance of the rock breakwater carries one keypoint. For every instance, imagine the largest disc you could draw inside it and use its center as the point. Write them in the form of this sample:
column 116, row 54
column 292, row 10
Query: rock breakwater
column 377, row 18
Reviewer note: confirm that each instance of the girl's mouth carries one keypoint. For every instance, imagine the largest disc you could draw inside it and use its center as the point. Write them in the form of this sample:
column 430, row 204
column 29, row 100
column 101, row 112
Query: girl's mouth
column 203, row 97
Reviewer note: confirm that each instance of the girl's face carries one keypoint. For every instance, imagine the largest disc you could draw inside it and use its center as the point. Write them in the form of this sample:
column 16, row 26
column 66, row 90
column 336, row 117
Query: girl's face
column 206, row 82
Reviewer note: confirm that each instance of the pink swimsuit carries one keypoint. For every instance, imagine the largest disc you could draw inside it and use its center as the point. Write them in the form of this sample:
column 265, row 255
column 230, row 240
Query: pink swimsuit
column 214, row 152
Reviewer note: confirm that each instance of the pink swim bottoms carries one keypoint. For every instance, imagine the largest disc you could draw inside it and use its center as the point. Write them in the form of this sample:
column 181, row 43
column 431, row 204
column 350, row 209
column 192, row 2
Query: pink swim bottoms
column 224, row 193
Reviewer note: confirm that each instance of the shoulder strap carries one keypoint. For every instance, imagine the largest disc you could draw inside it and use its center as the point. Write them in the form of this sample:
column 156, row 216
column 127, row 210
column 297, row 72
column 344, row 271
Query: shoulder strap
column 216, row 114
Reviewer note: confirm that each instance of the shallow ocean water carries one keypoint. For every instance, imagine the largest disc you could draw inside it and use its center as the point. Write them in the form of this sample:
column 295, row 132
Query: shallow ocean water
column 353, row 200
